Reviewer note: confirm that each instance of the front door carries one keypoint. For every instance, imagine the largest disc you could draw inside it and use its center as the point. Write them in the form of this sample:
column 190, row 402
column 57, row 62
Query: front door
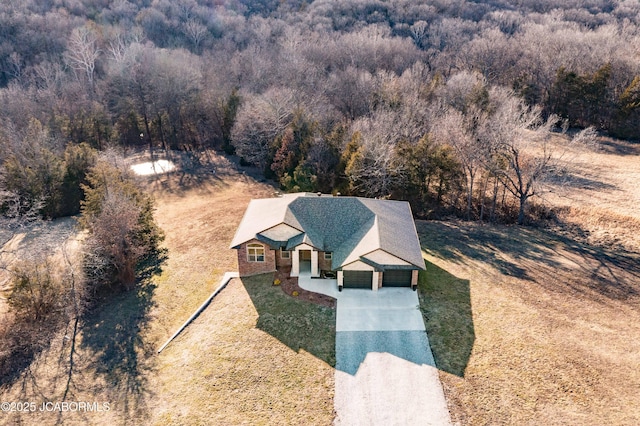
column 305, row 260
column 305, row 255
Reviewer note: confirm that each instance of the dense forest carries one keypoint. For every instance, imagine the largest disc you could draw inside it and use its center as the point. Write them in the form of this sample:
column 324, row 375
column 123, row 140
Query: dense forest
column 449, row 104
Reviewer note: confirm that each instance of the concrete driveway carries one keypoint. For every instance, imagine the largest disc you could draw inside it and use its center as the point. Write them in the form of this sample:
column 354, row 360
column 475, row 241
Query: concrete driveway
column 385, row 372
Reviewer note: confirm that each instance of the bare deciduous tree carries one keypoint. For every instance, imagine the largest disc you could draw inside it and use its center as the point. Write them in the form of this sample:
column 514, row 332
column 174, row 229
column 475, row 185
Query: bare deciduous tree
column 374, row 169
column 461, row 132
column 37, row 293
column 196, row 32
column 118, row 41
column 83, row 52
column 259, row 121
column 122, row 231
column 522, row 140
column 419, row 33
column 112, row 236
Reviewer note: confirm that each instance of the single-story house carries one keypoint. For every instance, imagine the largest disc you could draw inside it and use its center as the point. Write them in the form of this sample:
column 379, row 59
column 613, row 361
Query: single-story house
column 363, row 242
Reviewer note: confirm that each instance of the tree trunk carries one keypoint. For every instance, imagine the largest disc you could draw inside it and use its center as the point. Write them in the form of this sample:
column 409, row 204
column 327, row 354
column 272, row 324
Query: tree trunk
column 148, row 130
column 440, row 190
column 483, row 196
column 470, row 195
column 162, row 140
column 494, row 202
column 523, row 201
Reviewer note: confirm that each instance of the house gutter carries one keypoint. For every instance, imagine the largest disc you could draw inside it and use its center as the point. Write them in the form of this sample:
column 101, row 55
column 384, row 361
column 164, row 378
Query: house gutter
column 223, row 283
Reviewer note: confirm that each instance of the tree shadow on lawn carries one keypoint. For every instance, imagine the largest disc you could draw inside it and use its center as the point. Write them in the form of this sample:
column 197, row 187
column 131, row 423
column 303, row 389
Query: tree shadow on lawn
column 445, row 303
column 111, row 334
column 537, row 258
column 575, row 180
column 296, row 323
column 559, row 263
column 619, row 147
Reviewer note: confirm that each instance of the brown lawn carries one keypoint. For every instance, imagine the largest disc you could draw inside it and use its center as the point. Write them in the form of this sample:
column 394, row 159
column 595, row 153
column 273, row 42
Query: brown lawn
column 600, row 194
column 542, row 327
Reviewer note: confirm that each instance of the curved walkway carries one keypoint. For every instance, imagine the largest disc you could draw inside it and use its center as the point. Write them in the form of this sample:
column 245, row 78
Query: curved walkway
column 385, row 372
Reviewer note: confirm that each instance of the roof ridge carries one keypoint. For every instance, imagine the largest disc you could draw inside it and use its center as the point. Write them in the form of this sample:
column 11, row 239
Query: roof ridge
column 376, row 224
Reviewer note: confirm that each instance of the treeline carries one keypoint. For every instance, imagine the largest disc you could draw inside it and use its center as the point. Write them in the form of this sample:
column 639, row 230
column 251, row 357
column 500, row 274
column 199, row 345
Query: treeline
column 347, row 96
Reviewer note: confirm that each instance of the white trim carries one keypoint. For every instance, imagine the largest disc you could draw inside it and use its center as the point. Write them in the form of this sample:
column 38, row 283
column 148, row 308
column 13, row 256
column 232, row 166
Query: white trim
column 374, row 280
column 328, row 253
column 382, row 257
column 295, row 264
column 315, row 271
column 282, row 254
column 358, row 266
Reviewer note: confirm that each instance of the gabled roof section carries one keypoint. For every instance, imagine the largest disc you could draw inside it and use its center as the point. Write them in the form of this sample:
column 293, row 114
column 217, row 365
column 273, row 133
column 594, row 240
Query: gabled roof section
column 300, row 239
column 397, row 230
column 381, row 257
column 281, row 233
column 350, row 227
column 364, row 240
column 263, row 214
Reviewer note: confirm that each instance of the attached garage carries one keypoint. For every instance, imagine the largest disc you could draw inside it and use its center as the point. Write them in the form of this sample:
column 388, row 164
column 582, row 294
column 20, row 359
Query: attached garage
column 357, row 279
column 396, row 278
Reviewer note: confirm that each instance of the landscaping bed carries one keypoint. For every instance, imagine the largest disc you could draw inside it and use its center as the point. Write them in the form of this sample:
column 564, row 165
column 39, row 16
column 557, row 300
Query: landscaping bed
column 290, row 286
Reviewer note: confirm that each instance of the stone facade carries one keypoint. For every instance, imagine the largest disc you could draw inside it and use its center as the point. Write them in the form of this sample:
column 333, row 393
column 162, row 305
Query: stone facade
column 247, row 268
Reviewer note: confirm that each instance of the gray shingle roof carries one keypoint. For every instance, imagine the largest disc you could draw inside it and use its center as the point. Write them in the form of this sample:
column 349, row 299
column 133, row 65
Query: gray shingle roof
column 350, row 227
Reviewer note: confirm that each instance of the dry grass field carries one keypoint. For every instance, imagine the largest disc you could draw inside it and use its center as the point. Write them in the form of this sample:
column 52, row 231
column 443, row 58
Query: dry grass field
column 600, row 195
column 533, row 326
column 36, row 240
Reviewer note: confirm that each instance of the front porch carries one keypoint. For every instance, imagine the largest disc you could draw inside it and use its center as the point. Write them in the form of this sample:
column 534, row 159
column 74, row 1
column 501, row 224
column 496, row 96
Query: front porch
column 304, row 259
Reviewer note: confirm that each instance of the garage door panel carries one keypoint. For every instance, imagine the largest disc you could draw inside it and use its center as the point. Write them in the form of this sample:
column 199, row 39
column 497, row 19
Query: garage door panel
column 357, row 279
column 396, row 278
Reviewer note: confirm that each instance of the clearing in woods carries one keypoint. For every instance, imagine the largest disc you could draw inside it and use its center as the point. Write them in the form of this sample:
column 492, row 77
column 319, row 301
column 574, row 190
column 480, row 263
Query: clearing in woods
column 526, row 325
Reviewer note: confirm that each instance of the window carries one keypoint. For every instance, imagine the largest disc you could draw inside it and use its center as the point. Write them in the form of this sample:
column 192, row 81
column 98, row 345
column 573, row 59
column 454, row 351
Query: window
column 284, row 254
column 255, row 253
column 327, row 255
